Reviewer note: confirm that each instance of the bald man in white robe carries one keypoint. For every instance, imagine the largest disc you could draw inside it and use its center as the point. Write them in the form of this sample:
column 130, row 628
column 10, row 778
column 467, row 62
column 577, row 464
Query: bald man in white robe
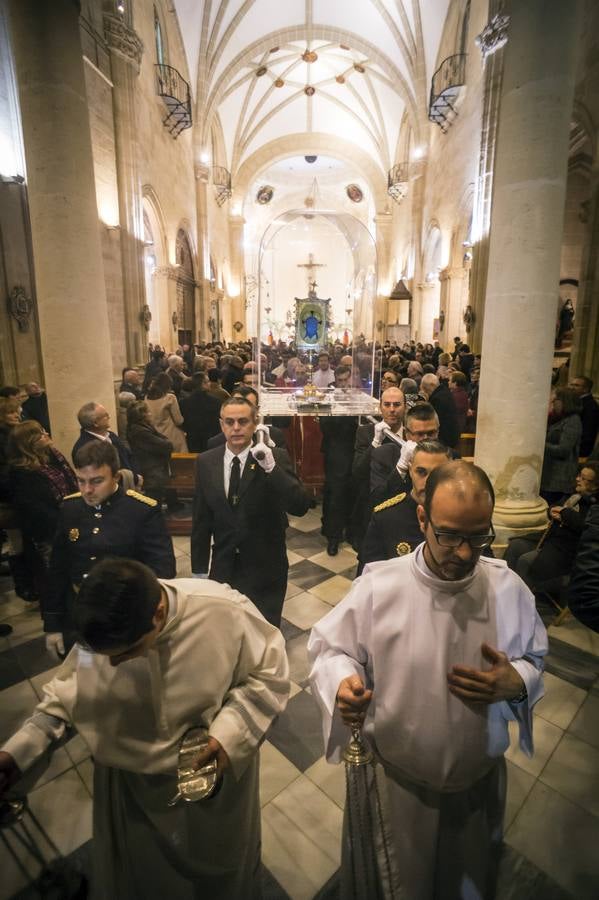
column 435, row 652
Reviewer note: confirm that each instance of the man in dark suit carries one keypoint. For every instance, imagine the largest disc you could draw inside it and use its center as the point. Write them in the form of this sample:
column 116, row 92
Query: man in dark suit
column 337, row 447
column 589, row 416
column 243, row 495
column 389, row 467
column 369, row 437
column 583, row 591
column 276, row 435
column 439, row 397
column 95, row 421
column 201, row 414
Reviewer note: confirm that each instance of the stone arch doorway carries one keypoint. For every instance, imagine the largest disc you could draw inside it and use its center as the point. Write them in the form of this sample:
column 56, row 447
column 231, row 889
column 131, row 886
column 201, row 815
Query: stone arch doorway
column 185, row 313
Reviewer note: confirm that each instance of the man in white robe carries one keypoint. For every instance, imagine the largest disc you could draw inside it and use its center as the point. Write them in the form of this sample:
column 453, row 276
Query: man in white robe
column 435, row 652
column 154, row 659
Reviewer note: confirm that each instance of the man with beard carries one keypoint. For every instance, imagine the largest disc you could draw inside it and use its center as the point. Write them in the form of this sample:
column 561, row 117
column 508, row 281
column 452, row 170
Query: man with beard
column 434, row 652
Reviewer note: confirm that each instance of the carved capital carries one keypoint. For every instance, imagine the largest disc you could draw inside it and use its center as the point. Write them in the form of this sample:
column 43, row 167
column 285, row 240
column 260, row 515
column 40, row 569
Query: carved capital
column 20, row 307
column 123, row 41
column 202, row 172
column 493, row 36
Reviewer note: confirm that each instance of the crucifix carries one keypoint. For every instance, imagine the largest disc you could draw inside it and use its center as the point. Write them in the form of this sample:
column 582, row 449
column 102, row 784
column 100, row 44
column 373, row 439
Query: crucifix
column 310, row 266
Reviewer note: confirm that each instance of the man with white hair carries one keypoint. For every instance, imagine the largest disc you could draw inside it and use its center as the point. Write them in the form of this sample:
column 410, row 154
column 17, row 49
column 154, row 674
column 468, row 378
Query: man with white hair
column 94, row 420
column 175, row 371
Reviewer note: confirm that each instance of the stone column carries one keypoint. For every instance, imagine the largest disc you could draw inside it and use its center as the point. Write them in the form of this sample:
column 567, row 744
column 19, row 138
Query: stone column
column 126, row 50
column 236, row 224
column 454, row 282
column 202, row 173
column 384, row 231
column 585, row 359
column 67, row 253
column 524, row 255
column 491, row 41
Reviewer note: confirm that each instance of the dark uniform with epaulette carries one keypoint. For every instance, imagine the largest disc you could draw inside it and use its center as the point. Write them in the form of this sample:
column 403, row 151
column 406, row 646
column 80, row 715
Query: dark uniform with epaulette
column 127, row 524
column 393, row 530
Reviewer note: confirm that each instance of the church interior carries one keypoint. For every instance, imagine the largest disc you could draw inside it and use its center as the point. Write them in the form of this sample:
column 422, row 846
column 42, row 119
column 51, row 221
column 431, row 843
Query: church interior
column 180, row 172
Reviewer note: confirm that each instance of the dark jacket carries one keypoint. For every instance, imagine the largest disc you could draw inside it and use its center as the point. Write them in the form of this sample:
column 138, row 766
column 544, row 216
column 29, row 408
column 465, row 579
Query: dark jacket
column 589, row 418
column 442, row 402
column 560, row 462
column 36, row 408
column 126, row 458
column 35, row 503
column 152, row 451
column 393, row 530
column 583, row 591
column 362, row 507
column 201, row 419
column 127, row 524
column 249, row 541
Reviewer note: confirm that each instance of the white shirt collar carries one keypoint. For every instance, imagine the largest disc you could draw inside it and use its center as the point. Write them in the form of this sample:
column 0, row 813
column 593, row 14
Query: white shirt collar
column 242, row 456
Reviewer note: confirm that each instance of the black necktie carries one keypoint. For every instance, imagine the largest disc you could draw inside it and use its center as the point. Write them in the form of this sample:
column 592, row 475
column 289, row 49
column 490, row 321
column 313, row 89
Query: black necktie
column 233, row 495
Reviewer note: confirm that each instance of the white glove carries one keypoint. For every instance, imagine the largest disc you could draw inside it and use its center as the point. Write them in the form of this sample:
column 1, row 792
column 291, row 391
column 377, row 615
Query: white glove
column 263, row 435
column 407, row 452
column 263, row 456
column 55, row 644
column 379, row 433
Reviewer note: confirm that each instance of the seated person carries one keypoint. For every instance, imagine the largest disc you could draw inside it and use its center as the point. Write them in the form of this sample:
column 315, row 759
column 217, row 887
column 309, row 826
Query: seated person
column 539, row 559
column 583, row 590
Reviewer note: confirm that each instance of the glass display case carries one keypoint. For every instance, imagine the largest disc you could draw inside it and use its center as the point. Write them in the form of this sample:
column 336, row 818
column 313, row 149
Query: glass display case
column 316, row 279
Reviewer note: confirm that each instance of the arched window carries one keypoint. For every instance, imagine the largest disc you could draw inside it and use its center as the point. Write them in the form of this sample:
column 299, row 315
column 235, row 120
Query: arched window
column 160, row 55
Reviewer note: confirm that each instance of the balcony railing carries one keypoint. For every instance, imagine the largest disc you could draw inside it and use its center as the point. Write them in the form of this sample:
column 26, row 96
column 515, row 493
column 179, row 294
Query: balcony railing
column 445, row 89
column 221, row 179
column 174, row 90
column 397, row 182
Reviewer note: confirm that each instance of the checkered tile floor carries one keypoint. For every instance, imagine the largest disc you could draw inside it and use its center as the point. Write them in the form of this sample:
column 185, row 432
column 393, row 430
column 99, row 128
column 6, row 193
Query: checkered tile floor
column 553, row 799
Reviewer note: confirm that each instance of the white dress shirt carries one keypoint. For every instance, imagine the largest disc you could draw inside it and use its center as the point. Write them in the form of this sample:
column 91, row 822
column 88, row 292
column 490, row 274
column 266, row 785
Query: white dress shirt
column 229, row 456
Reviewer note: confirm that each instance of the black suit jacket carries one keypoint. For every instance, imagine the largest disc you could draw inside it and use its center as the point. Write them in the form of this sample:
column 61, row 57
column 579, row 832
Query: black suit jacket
column 442, row 402
column 583, row 592
column 249, row 539
column 590, row 424
column 201, row 419
column 126, row 459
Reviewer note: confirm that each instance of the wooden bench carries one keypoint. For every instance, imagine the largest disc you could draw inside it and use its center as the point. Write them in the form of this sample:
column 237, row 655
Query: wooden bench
column 182, row 481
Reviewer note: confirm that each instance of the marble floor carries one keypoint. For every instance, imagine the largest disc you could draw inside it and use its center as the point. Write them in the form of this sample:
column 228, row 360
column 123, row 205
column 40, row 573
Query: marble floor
column 552, row 827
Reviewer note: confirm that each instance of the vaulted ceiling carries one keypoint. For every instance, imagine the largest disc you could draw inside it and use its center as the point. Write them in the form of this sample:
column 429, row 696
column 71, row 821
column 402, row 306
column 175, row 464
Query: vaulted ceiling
column 263, row 69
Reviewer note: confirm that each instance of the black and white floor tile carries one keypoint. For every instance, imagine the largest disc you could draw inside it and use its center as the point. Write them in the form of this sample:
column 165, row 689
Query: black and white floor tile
column 553, row 799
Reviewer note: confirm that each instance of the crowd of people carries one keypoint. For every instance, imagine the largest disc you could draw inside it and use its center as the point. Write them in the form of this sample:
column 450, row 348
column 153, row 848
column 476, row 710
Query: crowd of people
column 88, row 538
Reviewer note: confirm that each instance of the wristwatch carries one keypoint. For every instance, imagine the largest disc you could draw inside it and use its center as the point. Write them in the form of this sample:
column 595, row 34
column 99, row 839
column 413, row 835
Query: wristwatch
column 521, row 697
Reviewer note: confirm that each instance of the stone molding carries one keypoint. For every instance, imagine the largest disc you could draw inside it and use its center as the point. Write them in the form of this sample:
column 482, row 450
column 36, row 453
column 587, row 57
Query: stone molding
column 202, row 173
column 493, row 36
column 123, row 41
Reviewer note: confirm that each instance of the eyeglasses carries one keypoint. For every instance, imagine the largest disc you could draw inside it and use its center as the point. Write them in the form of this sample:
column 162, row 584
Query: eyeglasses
column 452, row 540
column 396, row 404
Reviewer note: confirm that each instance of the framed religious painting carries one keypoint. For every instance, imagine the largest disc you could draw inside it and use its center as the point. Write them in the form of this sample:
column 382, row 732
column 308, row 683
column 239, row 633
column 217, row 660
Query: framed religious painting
column 311, row 322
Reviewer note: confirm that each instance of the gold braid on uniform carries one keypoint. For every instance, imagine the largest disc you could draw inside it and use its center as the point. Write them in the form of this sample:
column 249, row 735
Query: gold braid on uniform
column 142, row 497
column 72, row 496
column 392, row 501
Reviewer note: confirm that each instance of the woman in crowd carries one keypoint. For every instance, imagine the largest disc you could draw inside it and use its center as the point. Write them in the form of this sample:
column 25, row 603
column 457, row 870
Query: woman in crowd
column 152, row 450
column 562, row 444
column 389, row 379
column 39, row 477
column 457, row 386
column 19, row 555
column 165, row 414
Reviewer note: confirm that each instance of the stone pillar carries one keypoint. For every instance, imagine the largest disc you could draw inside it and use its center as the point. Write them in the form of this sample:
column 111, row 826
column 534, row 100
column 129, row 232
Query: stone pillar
column 454, row 282
column 236, row 224
column 202, row 173
column 491, row 41
column 585, row 359
column 524, row 256
column 384, row 231
column 67, row 253
column 125, row 59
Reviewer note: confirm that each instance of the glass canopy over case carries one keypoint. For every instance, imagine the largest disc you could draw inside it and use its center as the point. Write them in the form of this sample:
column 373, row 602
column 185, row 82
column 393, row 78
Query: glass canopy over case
column 316, row 292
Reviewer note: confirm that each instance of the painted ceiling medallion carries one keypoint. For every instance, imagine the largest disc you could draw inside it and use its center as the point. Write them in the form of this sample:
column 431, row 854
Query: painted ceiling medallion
column 309, row 91
column 265, row 194
column 274, row 50
column 344, row 47
column 354, row 193
column 340, row 79
column 310, row 159
column 309, row 56
column 279, row 82
column 261, row 71
column 309, row 202
column 359, row 68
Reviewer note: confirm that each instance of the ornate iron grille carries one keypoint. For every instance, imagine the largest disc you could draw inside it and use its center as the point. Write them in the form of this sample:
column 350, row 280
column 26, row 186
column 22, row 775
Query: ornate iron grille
column 174, row 90
column 445, row 88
